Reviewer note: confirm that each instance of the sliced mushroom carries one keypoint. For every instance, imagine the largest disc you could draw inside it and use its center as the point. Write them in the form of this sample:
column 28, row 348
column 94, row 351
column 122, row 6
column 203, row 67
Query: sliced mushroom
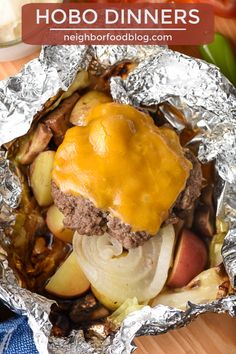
column 31, row 145
column 204, row 217
column 204, row 221
column 58, row 120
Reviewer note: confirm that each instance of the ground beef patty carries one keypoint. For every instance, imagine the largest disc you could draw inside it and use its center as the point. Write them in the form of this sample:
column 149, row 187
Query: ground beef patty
column 81, row 214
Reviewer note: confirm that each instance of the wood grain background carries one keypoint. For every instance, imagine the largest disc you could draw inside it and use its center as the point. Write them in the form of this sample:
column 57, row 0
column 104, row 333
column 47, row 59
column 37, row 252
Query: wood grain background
column 208, row 334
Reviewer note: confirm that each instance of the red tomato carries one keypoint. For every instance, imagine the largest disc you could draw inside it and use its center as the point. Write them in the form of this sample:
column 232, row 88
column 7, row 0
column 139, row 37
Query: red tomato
column 223, row 8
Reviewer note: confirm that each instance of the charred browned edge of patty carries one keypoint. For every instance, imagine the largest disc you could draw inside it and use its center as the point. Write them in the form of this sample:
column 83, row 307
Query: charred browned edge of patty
column 81, row 214
column 193, row 186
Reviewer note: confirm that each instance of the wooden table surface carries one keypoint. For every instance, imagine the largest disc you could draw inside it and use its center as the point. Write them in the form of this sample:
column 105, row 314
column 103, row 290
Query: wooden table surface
column 208, row 334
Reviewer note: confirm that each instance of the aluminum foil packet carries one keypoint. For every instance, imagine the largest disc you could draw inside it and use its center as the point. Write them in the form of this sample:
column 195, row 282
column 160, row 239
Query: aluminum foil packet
column 196, row 88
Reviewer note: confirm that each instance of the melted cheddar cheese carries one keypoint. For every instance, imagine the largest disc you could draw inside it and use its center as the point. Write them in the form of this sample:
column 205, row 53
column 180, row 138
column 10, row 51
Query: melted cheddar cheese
column 124, row 164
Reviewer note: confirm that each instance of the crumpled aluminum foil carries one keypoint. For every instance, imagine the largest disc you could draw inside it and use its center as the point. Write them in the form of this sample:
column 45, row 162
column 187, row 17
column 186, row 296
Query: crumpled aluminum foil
column 229, row 246
column 23, row 95
column 207, row 100
column 109, row 55
column 10, row 190
column 36, row 309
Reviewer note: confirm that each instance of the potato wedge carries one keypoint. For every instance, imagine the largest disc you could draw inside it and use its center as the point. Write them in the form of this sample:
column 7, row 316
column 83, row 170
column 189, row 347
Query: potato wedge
column 54, row 220
column 85, row 104
column 69, row 280
column 210, row 285
column 40, row 177
column 104, row 300
column 80, row 82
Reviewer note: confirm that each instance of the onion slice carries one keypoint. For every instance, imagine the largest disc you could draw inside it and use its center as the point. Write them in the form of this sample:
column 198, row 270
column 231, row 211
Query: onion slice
column 116, row 275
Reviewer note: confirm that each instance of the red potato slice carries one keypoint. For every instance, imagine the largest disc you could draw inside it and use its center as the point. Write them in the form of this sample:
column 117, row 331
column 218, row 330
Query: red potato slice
column 190, row 260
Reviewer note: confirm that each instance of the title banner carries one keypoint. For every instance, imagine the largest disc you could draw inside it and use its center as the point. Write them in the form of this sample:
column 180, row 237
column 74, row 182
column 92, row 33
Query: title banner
column 78, row 23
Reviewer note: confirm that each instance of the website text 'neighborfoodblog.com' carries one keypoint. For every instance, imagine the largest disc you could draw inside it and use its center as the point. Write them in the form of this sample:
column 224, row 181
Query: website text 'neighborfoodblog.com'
column 78, row 23
column 124, row 37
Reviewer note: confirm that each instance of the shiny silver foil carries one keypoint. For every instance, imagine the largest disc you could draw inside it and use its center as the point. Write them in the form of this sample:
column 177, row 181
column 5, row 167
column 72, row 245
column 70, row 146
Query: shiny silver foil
column 109, row 55
column 23, row 302
column 23, row 95
column 196, row 88
column 10, row 190
column 229, row 247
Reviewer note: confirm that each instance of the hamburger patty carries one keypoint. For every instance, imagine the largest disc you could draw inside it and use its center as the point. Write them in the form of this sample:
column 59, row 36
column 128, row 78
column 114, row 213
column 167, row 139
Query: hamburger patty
column 81, row 214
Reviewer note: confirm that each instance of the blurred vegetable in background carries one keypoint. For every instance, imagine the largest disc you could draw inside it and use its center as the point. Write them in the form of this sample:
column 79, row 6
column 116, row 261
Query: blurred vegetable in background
column 220, row 53
column 224, row 8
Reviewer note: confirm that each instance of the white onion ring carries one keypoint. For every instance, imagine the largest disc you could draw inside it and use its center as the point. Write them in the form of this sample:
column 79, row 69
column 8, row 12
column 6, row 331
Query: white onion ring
column 141, row 272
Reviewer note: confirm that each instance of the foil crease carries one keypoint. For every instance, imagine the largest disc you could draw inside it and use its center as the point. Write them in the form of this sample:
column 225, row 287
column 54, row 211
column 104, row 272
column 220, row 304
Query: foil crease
column 75, row 343
column 196, row 88
column 24, row 302
column 66, row 60
column 25, row 94
column 10, row 192
column 229, row 246
column 109, row 55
